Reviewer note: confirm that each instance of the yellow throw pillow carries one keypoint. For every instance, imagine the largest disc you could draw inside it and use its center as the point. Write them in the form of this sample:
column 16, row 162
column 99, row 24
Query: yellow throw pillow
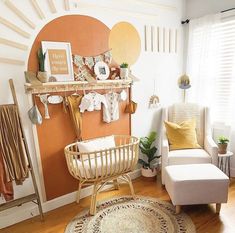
column 183, row 135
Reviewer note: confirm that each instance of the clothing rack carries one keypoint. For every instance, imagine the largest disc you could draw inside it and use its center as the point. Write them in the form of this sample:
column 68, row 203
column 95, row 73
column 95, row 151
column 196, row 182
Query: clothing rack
column 35, row 198
column 51, row 87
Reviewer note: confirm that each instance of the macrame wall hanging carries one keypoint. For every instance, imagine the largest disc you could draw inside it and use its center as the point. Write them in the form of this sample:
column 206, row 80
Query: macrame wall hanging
column 154, row 101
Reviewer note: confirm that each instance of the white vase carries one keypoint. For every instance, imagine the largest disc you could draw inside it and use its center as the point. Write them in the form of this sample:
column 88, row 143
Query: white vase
column 147, row 172
column 42, row 76
column 124, row 72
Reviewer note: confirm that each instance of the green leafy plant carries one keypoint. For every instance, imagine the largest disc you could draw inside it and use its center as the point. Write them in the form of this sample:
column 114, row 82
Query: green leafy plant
column 223, row 140
column 148, row 150
column 41, row 60
column 124, row 65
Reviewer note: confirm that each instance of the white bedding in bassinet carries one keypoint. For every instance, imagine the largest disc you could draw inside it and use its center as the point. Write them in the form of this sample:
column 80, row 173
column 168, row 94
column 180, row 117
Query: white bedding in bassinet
column 123, row 161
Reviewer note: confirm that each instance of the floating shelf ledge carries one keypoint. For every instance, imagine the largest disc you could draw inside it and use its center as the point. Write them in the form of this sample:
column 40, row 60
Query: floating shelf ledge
column 76, row 86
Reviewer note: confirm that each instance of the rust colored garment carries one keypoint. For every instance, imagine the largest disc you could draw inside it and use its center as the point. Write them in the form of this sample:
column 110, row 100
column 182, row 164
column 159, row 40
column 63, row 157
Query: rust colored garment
column 73, row 104
column 12, row 145
column 6, row 188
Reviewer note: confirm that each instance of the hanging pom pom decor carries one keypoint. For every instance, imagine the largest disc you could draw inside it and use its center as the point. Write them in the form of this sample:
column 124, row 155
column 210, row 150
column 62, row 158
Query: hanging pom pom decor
column 154, row 99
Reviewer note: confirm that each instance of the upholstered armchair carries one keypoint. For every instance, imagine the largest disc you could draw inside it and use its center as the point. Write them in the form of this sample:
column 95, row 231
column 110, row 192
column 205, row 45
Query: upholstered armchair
column 209, row 150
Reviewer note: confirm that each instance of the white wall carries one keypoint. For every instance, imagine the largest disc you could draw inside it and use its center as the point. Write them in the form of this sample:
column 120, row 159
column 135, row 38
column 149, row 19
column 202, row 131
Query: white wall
column 164, row 67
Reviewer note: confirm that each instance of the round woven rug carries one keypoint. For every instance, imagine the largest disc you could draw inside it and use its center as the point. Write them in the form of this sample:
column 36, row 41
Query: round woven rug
column 125, row 215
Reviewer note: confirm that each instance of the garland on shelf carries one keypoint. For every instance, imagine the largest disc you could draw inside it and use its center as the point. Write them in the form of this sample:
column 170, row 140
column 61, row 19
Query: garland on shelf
column 85, row 65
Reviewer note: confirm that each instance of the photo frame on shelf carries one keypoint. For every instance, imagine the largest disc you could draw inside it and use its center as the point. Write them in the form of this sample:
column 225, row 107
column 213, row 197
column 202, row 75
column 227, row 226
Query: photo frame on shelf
column 101, row 70
column 58, row 61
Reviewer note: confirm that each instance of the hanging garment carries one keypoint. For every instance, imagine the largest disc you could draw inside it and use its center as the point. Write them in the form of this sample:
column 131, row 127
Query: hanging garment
column 92, row 101
column 73, row 103
column 6, row 188
column 12, row 145
column 123, row 95
column 44, row 101
column 111, row 110
column 35, row 115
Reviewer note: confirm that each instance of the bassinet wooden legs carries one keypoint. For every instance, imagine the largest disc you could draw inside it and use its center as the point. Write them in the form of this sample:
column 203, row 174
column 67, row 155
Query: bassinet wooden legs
column 79, row 191
column 126, row 178
column 115, row 184
column 132, row 189
column 94, row 198
column 98, row 186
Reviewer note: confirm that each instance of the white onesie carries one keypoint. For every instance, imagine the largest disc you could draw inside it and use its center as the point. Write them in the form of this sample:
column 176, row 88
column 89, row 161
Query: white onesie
column 111, row 110
column 92, row 101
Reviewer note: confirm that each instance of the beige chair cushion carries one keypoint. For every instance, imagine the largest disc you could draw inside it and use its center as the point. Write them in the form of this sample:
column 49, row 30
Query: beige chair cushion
column 188, row 156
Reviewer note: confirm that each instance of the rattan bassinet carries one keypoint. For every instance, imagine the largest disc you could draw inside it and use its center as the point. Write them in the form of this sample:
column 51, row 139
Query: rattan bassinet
column 103, row 166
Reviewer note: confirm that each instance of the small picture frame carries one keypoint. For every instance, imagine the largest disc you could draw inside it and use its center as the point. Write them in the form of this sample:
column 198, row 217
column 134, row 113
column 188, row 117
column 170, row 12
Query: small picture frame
column 58, row 63
column 101, row 70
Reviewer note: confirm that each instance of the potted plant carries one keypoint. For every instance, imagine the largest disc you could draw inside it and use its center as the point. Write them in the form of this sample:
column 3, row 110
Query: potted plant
column 124, row 70
column 42, row 74
column 222, row 144
column 148, row 170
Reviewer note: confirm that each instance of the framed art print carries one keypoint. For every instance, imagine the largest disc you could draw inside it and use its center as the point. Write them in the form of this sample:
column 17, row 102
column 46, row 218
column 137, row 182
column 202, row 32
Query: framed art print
column 58, row 62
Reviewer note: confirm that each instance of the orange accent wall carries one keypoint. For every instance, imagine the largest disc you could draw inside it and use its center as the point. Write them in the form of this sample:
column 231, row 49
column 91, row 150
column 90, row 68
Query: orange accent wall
column 88, row 37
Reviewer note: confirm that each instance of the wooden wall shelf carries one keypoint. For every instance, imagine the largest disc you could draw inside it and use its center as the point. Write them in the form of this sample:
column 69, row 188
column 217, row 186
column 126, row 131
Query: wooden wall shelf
column 76, row 86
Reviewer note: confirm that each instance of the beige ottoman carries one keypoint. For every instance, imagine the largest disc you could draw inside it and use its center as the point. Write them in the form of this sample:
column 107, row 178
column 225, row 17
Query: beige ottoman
column 196, row 184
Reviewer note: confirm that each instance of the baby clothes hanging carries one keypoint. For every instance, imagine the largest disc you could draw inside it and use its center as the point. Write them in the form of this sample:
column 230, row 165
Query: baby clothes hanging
column 73, row 103
column 111, row 110
column 11, row 144
column 15, row 157
column 92, row 101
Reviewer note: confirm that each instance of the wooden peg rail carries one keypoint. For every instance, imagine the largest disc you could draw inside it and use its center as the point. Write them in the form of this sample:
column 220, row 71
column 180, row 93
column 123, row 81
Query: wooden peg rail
column 76, row 86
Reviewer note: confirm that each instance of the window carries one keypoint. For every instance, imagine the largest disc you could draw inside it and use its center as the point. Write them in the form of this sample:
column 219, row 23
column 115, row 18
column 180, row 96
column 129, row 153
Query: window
column 224, row 93
column 211, row 66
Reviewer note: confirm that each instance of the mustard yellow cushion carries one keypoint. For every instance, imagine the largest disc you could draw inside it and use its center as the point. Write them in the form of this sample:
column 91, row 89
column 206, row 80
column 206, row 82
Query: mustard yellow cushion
column 183, row 135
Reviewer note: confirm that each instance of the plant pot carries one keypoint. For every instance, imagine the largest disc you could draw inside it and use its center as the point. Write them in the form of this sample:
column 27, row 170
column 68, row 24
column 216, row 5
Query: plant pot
column 222, row 148
column 124, row 73
column 147, row 172
column 42, row 76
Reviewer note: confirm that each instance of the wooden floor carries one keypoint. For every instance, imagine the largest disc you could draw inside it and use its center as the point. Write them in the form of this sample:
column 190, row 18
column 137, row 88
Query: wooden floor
column 203, row 216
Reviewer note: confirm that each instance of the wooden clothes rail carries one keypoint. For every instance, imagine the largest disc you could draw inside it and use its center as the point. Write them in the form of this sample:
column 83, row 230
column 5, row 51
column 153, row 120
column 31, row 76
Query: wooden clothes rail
column 51, row 87
column 34, row 197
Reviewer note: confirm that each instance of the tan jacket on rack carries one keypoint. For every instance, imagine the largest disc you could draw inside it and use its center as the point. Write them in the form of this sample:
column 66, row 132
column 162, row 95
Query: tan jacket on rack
column 73, row 105
column 11, row 144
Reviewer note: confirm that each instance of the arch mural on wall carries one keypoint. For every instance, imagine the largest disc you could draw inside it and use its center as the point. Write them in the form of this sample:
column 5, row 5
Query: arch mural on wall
column 57, row 181
column 88, row 37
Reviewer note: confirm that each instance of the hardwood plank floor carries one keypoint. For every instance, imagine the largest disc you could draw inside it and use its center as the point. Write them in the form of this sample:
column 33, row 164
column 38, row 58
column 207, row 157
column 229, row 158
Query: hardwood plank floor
column 203, row 216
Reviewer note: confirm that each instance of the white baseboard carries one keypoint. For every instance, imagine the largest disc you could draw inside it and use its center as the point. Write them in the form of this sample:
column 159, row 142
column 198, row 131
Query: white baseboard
column 29, row 210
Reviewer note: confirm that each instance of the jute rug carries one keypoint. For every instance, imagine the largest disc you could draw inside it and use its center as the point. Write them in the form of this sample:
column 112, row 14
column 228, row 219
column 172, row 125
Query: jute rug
column 125, row 215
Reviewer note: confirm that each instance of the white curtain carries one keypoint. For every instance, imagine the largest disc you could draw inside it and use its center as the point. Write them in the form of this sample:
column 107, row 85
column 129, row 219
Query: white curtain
column 201, row 62
column 211, row 68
